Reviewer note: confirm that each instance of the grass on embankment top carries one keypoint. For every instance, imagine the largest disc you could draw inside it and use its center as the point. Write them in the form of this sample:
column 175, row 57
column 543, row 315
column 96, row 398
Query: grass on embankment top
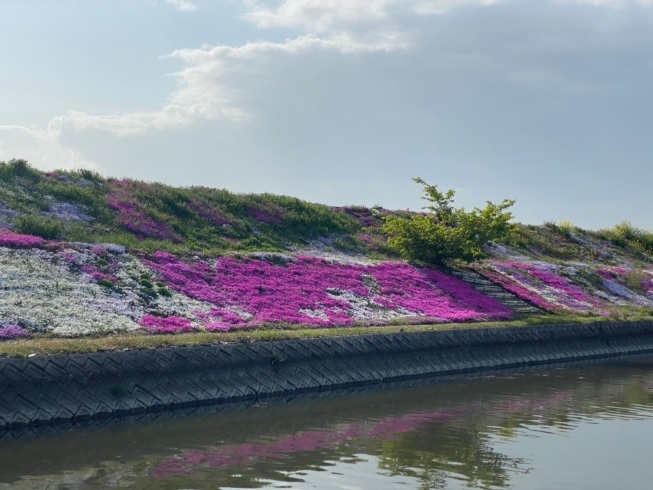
column 45, row 344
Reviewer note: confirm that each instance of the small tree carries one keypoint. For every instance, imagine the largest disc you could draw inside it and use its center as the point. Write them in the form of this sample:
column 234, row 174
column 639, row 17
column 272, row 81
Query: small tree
column 444, row 233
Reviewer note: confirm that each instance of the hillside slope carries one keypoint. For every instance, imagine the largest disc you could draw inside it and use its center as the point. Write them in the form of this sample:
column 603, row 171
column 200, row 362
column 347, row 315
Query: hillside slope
column 83, row 206
column 82, row 254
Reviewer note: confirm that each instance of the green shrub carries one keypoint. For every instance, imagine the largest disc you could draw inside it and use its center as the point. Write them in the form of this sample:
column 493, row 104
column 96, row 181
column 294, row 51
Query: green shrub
column 18, row 168
column 163, row 291
column 33, row 224
column 565, row 227
column 445, row 234
column 624, row 234
column 635, row 280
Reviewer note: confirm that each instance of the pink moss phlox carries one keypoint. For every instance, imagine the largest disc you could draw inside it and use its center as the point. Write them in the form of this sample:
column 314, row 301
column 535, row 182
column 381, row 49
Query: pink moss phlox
column 68, row 258
column 519, row 290
column 434, row 294
column 647, row 282
column 217, row 327
column 16, row 240
column 99, row 250
column 208, row 213
column 554, row 281
column 363, row 215
column 133, row 219
column 172, row 324
column 539, row 284
column 8, row 332
column 254, row 292
column 265, row 217
column 466, row 295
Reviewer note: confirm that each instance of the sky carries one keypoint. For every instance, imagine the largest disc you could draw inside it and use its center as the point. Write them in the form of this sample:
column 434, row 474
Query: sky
column 549, row 102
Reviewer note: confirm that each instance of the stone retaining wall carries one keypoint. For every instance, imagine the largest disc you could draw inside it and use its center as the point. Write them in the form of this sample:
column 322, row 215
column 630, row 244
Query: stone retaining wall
column 45, row 390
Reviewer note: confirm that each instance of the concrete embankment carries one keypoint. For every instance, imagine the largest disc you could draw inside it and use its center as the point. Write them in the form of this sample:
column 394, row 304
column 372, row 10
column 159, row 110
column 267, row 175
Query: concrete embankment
column 43, row 390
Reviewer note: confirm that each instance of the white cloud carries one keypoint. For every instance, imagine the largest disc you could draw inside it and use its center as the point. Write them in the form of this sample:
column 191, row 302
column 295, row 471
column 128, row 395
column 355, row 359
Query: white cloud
column 318, row 16
column 607, row 3
column 330, row 16
column 183, row 5
column 210, row 84
column 204, row 91
column 130, row 124
column 41, row 148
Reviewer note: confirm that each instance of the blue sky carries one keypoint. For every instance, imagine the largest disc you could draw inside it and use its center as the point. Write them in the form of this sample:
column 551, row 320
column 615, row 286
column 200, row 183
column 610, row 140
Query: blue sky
column 343, row 101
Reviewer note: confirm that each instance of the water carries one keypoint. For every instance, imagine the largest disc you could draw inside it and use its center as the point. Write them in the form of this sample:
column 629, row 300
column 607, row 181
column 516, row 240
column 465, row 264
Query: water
column 585, row 427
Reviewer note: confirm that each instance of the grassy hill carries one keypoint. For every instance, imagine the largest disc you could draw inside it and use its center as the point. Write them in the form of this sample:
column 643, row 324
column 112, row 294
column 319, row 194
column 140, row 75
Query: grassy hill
column 84, row 206
column 87, row 207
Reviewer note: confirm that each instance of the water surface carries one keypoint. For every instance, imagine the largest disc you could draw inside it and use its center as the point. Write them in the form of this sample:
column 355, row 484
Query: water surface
column 582, row 427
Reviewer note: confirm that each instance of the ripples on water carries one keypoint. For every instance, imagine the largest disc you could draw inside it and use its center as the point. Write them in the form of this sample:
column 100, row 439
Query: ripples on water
column 581, row 427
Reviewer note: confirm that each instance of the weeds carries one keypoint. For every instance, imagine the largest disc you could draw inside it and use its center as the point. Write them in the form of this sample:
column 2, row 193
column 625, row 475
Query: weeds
column 32, row 224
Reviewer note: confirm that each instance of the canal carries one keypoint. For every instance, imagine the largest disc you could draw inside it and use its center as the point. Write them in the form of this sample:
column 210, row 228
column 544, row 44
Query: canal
column 583, row 426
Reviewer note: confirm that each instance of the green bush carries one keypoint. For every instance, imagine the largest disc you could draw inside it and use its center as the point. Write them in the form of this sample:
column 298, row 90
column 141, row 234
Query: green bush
column 624, row 234
column 445, row 234
column 18, row 168
column 33, row 224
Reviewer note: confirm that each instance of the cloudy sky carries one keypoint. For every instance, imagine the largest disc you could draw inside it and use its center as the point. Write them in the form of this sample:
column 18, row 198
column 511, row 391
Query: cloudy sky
column 549, row 102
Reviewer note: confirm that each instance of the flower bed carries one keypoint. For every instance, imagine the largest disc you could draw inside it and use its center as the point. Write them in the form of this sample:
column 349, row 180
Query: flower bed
column 575, row 287
column 247, row 292
column 132, row 218
column 72, row 289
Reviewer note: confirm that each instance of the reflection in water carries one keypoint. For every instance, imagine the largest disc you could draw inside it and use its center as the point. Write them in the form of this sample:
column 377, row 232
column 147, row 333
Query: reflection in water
column 474, row 433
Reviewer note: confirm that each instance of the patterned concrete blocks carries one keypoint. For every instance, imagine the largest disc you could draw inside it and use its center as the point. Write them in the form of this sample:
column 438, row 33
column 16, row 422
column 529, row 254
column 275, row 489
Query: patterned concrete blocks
column 78, row 388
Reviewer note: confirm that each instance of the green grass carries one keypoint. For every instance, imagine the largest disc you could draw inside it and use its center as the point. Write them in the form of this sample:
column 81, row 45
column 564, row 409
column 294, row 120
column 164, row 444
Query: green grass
column 199, row 218
column 48, row 345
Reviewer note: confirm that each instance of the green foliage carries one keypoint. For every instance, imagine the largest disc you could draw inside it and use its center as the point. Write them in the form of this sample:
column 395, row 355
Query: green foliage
column 563, row 227
column 202, row 219
column 163, row 291
column 215, row 219
column 589, row 276
column 566, row 227
column 635, row 280
column 447, row 234
column 637, row 237
column 33, row 224
column 18, row 169
column 91, row 198
column 105, row 283
column 545, row 241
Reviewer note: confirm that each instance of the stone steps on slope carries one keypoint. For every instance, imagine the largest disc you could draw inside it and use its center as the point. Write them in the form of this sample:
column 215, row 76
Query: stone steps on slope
column 482, row 285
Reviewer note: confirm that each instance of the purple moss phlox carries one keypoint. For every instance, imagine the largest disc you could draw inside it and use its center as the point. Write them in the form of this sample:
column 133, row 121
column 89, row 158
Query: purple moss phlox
column 253, row 292
column 553, row 281
column 265, row 217
column 539, row 285
column 16, row 240
column 518, row 290
column 133, row 219
column 8, row 332
column 172, row 324
column 647, row 286
column 208, row 213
